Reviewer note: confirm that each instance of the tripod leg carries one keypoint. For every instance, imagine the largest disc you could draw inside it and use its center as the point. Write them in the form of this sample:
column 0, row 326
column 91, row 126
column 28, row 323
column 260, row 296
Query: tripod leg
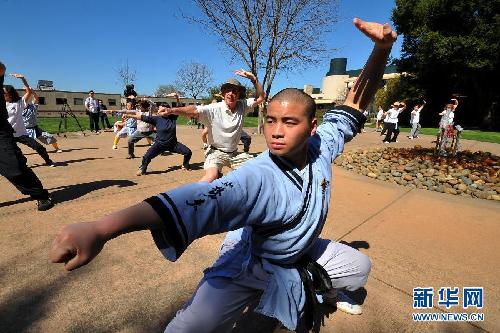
column 60, row 123
column 78, row 123
column 65, row 125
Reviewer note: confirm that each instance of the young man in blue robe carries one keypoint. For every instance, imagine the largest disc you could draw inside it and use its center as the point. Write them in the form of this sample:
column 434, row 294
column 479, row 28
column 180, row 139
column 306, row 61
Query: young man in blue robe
column 274, row 206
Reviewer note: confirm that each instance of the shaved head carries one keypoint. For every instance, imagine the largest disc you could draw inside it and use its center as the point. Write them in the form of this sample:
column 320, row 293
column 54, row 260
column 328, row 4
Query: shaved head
column 294, row 95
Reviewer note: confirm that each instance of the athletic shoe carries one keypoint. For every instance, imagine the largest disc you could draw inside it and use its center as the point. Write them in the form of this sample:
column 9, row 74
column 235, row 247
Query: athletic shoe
column 130, row 156
column 115, row 147
column 186, row 167
column 410, row 137
column 386, row 142
column 51, row 164
column 205, row 145
column 348, row 305
column 140, row 172
column 59, row 151
column 44, row 204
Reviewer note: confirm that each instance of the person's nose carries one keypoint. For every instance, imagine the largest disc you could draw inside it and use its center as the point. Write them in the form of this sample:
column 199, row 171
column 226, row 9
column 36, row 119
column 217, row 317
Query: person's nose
column 278, row 131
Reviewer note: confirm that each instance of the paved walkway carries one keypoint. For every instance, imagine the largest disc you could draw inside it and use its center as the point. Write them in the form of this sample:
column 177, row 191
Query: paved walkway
column 415, row 238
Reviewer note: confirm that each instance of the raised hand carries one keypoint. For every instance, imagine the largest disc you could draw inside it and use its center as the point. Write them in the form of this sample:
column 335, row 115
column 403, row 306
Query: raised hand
column 245, row 74
column 380, row 34
column 76, row 245
column 18, row 76
column 2, row 69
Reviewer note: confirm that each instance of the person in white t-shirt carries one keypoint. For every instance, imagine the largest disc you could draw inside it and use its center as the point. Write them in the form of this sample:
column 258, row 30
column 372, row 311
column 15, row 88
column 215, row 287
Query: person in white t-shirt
column 224, row 121
column 15, row 105
column 380, row 116
column 415, row 120
column 392, row 121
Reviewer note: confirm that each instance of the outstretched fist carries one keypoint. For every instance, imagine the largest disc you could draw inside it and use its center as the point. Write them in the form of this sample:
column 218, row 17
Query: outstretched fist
column 76, row 245
column 381, row 34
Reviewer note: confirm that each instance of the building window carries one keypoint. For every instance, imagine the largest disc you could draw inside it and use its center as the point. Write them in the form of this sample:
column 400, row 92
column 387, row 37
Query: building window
column 60, row 101
column 41, row 100
column 78, row 101
column 112, row 102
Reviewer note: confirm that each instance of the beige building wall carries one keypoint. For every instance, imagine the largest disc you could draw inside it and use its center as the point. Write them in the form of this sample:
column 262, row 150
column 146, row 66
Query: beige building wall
column 52, row 102
column 335, row 87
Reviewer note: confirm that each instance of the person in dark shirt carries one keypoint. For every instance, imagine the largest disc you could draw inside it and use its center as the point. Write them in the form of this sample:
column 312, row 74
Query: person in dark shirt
column 129, row 92
column 166, row 140
column 12, row 161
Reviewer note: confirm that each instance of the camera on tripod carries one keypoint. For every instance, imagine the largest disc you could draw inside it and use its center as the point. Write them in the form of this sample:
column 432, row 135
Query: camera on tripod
column 65, row 112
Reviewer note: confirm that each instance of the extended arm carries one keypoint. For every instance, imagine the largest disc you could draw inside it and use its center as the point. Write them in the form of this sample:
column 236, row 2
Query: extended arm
column 77, row 244
column 368, row 82
column 455, row 103
column 29, row 91
column 176, row 218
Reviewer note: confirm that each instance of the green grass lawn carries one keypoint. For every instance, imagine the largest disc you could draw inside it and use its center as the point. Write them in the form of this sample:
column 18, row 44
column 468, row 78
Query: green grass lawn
column 51, row 125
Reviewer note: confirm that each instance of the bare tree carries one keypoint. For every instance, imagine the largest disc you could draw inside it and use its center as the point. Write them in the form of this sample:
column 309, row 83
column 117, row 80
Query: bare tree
column 126, row 74
column 165, row 89
column 194, row 78
column 270, row 36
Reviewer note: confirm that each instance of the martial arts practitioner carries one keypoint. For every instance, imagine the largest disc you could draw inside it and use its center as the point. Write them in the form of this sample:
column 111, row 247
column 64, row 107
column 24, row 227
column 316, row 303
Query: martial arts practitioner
column 15, row 105
column 125, row 127
column 12, row 161
column 224, row 121
column 275, row 205
column 34, row 131
column 166, row 140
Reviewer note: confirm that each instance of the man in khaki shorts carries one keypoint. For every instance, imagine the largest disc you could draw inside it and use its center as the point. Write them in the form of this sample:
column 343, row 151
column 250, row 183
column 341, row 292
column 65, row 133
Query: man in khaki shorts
column 224, row 121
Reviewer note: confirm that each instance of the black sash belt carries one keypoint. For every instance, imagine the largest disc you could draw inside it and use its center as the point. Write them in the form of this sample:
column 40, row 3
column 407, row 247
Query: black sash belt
column 315, row 280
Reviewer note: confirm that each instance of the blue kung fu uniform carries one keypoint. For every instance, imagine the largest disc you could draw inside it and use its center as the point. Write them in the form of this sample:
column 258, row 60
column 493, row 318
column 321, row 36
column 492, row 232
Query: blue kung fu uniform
column 277, row 210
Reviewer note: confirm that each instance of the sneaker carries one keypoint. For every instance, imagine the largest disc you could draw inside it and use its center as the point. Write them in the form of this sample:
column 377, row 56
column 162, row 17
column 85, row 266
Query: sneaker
column 205, row 145
column 348, row 305
column 410, row 137
column 130, row 156
column 51, row 164
column 386, row 142
column 186, row 167
column 59, row 151
column 44, row 204
column 140, row 172
column 115, row 147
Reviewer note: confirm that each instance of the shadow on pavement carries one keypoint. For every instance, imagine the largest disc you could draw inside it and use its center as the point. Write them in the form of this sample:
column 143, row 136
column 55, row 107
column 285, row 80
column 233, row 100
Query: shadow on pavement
column 66, row 163
column 63, row 150
column 357, row 244
column 71, row 192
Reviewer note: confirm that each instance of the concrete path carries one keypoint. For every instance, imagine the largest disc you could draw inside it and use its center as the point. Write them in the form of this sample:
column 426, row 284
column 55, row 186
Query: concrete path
column 415, row 238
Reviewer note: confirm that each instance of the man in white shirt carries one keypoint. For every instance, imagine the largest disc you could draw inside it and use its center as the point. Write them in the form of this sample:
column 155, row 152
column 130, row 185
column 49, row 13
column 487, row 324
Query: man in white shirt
column 92, row 107
column 414, row 120
column 224, row 121
column 392, row 122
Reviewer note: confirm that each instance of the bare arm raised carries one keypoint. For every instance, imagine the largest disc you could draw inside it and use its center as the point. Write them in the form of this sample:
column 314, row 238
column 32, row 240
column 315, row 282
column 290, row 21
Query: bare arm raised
column 27, row 88
column 367, row 83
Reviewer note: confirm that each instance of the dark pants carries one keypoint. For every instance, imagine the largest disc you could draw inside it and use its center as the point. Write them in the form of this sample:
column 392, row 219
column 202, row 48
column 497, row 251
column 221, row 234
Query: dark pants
column 391, row 129
column 33, row 144
column 13, row 167
column 246, row 140
column 104, row 118
column 384, row 128
column 159, row 147
column 94, row 121
column 136, row 136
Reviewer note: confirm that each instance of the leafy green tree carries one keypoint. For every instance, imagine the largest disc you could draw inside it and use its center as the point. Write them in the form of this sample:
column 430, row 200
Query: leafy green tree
column 452, row 47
